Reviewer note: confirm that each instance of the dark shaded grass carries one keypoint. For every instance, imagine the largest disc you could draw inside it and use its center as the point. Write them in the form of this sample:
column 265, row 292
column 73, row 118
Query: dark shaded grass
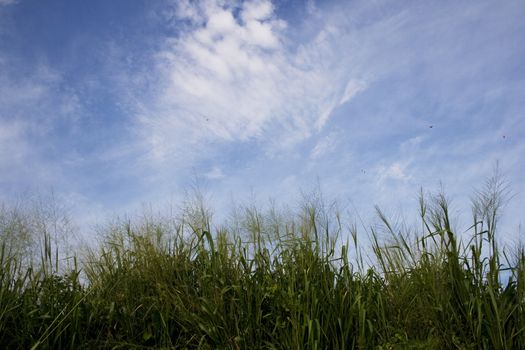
column 277, row 282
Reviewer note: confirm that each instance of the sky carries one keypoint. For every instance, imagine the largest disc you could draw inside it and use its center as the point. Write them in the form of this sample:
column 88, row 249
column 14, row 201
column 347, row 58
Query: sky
column 114, row 104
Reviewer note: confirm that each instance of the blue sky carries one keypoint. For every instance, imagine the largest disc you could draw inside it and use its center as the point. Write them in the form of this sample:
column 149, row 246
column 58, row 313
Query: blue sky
column 113, row 104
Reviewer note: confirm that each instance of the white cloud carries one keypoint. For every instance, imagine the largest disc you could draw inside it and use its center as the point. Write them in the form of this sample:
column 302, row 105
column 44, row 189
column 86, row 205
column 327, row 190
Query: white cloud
column 24, row 96
column 258, row 10
column 352, row 88
column 215, row 173
column 185, row 9
column 326, row 145
column 33, row 110
column 395, row 171
column 221, row 22
column 411, row 144
column 237, row 78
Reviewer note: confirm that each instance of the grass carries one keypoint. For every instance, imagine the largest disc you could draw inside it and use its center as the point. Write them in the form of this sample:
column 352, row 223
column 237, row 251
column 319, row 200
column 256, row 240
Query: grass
column 270, row 280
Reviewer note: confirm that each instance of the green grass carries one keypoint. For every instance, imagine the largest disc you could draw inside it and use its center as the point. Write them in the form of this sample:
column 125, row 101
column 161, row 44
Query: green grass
column 271, row 279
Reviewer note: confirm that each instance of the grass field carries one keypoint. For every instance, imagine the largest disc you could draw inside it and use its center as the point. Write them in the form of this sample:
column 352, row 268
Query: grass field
column 269, row 279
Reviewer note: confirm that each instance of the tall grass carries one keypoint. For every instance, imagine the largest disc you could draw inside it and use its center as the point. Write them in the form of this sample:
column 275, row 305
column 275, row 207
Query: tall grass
column 273, row 279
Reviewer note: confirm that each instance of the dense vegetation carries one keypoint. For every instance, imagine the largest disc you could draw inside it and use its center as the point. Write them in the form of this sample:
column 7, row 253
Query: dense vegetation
column 268, row 279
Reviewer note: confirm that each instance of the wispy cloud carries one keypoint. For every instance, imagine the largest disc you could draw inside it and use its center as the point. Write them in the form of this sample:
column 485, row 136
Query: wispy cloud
column 34, row 110
column 215, row 173
column 325, row 145
column 394, row 171
column 8, row 2
column 233, row 75
column 13, row 143
column 352, row 88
